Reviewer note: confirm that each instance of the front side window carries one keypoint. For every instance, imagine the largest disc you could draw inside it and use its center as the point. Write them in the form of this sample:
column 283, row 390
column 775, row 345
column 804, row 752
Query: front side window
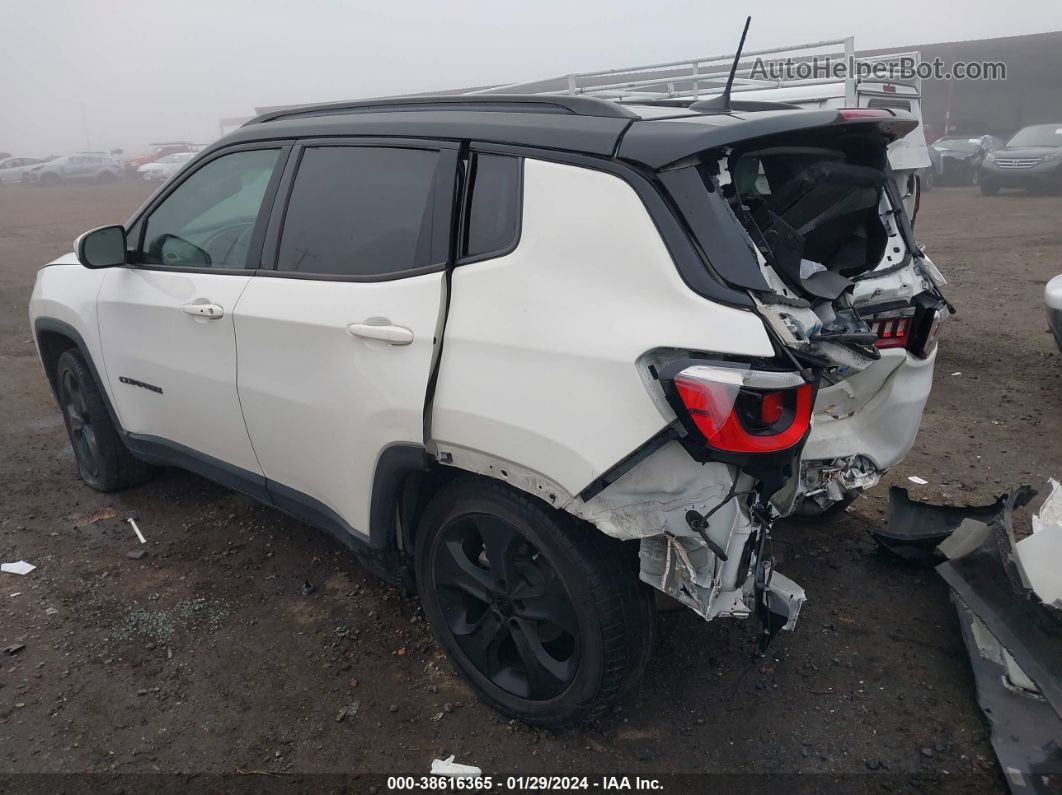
column 359, row 211
column 207, row 222
column 493, row 215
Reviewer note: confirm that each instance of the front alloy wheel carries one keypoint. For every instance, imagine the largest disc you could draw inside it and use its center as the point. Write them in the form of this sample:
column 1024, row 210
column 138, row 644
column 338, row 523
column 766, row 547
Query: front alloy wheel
column 103, row 461
column 80, row 423
column 543, row 615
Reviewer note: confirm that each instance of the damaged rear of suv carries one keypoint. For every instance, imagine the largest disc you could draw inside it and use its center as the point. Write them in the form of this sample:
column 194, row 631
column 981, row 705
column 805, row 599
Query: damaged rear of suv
column 530, row 354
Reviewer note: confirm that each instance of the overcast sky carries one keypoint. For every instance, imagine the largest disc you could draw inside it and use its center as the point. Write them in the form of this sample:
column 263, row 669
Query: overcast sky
column 122, row 73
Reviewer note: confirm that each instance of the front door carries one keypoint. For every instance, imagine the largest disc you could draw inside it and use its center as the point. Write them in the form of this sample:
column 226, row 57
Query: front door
column 166, row 320
column 336, row 344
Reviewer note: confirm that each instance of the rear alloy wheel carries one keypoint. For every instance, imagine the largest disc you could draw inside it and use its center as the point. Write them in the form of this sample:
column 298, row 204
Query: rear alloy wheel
column 545, row 617
column 988, row 188
column 48, row 178
column 103, row 461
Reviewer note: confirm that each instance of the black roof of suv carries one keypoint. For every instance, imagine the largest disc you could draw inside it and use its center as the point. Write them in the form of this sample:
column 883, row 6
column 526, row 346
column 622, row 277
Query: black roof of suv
column 652, row 135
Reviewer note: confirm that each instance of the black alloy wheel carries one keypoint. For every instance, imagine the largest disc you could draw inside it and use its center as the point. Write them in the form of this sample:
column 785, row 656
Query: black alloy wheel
column 103, row 461
column 79, row 421
column 506, row 607
column 542, row 614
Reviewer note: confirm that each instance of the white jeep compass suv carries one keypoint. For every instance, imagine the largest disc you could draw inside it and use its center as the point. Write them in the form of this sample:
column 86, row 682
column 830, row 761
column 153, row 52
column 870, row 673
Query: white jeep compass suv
column 536, row 355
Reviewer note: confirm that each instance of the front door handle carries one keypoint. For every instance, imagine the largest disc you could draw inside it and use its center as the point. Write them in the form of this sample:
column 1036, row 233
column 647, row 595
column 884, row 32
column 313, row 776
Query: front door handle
column 208, row 311
column 383, row 331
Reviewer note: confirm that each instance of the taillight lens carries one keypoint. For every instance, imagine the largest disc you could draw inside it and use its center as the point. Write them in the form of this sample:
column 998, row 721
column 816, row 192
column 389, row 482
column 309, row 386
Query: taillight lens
column 893, row 328
column 746, row 411
column 916, row 329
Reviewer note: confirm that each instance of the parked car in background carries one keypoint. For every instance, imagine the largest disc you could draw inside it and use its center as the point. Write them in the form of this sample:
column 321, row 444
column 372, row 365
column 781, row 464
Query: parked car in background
column 80, row 167
column 161, row 170
column 1053, row 299
column 160, row 151
column 13, row 169
column 961, row 157
column 1032, row 159
column 930, row 175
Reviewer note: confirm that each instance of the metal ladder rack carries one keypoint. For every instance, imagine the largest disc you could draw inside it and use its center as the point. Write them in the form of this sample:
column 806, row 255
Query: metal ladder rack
column 699, row 78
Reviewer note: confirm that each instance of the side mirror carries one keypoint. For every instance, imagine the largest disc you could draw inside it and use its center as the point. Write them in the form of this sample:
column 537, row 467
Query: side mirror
column 101, row 248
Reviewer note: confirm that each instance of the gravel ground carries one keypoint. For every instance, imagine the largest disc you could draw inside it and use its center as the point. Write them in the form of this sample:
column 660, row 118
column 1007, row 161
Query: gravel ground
column 205, row 656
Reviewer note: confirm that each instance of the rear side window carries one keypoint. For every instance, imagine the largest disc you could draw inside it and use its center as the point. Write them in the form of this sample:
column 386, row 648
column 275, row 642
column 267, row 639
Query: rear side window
column 492, row 222
column 359, row 211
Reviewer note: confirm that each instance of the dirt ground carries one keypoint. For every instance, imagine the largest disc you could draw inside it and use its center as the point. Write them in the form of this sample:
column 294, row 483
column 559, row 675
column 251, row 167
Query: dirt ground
column 207, row 657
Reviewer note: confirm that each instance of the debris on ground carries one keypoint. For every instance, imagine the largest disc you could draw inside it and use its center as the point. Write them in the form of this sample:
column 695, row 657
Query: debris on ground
column 1039, row 554
column 308, row 588
column 1007, row 594
column 136, row 554
column 14, row 649
column 136, row 530
column 349, row 711
column 448, row 767
column 915, row 529
column 96, row 515
column 917, row 480
column 19, row 567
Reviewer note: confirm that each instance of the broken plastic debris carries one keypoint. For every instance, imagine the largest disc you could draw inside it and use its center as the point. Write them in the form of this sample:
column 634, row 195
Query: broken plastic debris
column 448, row 767
column 918, row 480
column 21, row 567
column 809, row 268
column 136, row 530
column 1038, row 554
column 958, row 373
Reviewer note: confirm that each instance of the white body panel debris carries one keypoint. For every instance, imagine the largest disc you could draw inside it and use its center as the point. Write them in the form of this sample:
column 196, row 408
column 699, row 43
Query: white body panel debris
column 21, row 567
column 448, row 767
column 1039, row 554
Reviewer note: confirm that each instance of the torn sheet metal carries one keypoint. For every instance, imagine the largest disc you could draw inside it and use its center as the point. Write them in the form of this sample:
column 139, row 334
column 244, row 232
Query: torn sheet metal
column 916, row 529
column 654, row 496
column 1015, row 645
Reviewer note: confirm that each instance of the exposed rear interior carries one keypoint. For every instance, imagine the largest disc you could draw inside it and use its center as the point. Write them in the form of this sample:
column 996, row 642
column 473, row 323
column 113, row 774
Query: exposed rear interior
column 811, row 203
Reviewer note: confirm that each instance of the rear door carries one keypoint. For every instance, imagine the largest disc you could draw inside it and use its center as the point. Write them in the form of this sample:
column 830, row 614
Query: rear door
column 166, row 319
column 337, row 343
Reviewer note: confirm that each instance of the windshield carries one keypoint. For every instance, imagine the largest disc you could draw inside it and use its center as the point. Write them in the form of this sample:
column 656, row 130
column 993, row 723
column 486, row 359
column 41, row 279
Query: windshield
column 1041, row 135
column 958, row 144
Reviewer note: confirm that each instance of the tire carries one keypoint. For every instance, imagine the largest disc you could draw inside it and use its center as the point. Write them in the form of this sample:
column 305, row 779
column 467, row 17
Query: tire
column 106, row 178
column 47, row 179
column 103, row 461
column 989, row 188
column 554, row 626
column 809, row 510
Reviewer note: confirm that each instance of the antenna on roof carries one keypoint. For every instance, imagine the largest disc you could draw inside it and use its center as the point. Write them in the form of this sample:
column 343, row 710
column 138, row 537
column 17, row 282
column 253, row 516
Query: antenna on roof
column 721, row 104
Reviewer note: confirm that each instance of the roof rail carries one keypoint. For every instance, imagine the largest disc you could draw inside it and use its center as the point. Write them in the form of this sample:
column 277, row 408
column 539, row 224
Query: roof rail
column 512, row 103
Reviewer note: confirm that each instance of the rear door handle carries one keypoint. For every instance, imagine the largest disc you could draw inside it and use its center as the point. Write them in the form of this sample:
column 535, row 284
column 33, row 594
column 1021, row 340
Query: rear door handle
column 208, row 311
column 385, row 332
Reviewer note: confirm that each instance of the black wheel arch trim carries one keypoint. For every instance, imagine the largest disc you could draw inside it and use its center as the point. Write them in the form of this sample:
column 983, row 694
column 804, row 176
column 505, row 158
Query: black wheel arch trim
column 42, row 325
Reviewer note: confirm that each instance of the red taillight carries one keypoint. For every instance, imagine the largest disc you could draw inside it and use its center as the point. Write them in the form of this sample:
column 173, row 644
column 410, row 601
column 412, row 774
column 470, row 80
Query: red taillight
column 746, row 411
column 893, row 332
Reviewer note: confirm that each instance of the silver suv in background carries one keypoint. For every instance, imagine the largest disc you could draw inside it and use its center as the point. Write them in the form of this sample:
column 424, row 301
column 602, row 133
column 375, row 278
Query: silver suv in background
column 84, row 166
